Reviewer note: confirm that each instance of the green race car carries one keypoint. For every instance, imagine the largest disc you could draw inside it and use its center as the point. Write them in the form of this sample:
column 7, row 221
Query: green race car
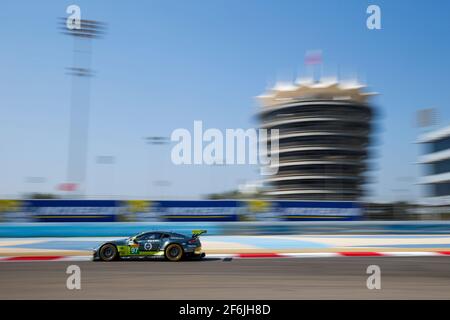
column 172, row 246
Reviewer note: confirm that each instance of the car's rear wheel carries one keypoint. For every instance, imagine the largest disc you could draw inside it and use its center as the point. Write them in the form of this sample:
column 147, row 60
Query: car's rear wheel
column 108, row 252
column 173, row 252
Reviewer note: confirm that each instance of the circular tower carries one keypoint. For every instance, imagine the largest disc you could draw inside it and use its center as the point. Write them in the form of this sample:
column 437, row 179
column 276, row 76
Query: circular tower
column 324, row 130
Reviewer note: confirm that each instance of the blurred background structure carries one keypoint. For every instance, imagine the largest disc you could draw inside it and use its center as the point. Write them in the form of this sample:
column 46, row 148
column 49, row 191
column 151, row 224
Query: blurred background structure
column 435, row 160
column 81, row 72
column 325, row 128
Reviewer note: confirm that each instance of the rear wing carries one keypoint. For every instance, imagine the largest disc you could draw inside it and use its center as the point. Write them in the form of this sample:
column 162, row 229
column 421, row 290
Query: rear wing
column 197, row 233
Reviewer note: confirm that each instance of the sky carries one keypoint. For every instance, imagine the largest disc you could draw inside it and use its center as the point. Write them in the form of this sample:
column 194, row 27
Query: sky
column 164, row 64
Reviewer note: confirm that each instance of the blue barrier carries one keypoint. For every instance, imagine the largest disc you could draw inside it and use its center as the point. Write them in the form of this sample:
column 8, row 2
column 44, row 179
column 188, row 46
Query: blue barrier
column 175, row 210
column 73, row 210
column 105, row 229
column 316, row 210
column 201, row 210
column 113, row 229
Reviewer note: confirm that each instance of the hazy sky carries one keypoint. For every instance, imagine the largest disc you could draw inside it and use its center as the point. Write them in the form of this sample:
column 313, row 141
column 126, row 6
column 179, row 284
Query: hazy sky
column 164, row 64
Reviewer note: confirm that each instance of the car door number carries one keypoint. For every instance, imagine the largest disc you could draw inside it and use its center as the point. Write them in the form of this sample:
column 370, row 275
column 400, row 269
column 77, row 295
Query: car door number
column 134, row 250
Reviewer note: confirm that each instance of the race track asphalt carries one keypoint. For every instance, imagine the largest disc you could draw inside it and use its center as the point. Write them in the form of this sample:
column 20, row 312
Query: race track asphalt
column 291, row 278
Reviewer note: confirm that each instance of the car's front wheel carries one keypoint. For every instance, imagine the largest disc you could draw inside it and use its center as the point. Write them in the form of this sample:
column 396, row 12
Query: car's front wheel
column 108, row 252
column 173, row 252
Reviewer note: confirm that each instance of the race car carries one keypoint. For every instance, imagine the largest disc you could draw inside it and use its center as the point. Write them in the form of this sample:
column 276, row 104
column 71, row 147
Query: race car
column 172, row 246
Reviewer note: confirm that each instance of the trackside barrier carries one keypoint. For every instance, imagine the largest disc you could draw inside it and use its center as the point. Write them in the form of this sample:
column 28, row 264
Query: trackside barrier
column 59, row 210
column 113, row 229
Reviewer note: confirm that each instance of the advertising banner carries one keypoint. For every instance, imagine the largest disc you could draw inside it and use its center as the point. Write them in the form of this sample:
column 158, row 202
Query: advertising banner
column 201, row 210
column 73, row 210
column 175, row 210
column 316, row 210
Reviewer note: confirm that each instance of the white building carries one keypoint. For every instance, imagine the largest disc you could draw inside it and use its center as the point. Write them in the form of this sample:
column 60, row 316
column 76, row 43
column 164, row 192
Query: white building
column 436, row 162
column 325, row 129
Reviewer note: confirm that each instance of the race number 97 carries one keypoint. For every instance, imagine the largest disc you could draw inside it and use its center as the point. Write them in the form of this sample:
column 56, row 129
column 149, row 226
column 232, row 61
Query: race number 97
column 134, row 250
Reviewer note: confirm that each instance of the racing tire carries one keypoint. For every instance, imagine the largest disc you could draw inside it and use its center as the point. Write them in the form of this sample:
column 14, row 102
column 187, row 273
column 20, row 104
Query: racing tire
column 174, row 252
column 108, row 252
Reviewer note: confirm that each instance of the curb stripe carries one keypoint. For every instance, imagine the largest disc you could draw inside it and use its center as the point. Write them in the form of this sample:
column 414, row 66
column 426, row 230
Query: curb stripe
column 360, row 254
column 259, row 255
column 33, row 258
column 411, row 254
column 310, row 255
column 76, row 258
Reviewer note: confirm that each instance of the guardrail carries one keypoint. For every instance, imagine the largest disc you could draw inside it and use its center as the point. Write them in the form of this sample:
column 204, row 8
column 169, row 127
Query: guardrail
column 113, row 229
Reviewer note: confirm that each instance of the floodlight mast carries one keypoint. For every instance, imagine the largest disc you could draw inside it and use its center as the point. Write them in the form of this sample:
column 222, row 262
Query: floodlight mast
column 80, row 72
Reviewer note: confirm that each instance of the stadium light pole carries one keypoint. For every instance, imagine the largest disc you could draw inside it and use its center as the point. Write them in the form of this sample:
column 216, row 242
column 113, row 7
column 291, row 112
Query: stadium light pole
column 80, row 72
